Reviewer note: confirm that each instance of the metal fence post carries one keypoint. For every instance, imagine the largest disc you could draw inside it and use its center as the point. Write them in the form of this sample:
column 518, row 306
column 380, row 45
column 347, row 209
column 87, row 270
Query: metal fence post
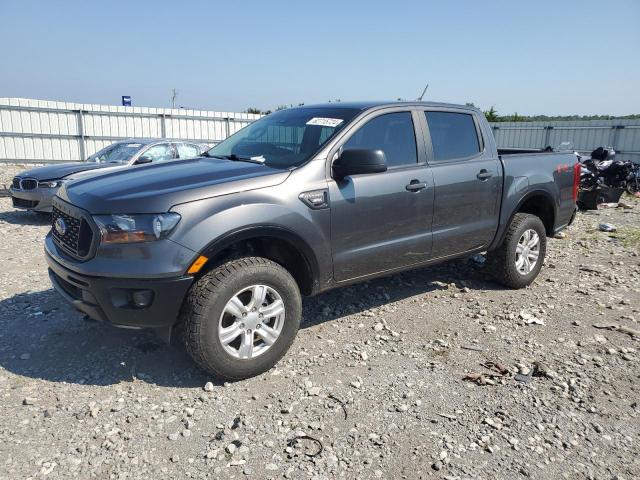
column 227, row 127
column 547, row 135
column 163, row 125
column 81, row 142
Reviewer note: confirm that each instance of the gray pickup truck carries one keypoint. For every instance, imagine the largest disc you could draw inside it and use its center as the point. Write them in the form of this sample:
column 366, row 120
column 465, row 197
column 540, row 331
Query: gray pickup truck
column 218, row 250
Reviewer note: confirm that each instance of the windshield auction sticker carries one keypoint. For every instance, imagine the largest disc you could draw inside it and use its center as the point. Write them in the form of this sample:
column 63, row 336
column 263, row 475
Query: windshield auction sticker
column 325, row 122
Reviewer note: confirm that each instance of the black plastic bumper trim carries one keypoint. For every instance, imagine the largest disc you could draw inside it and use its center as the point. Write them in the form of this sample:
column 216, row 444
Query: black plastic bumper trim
column 93, row 296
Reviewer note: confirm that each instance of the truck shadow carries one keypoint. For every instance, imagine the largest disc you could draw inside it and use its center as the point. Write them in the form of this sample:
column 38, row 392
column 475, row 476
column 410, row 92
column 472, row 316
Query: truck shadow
column 44, row 338
column 23, row 217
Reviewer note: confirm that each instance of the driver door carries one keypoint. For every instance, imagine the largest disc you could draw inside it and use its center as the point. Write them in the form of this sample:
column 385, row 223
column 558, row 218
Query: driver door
column 382, row 221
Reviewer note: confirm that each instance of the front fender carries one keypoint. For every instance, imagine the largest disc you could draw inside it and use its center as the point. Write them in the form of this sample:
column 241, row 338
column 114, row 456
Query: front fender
column 210, row 225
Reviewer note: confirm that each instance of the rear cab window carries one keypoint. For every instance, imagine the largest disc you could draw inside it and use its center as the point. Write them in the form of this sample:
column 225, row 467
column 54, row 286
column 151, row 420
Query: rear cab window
column 453, row 135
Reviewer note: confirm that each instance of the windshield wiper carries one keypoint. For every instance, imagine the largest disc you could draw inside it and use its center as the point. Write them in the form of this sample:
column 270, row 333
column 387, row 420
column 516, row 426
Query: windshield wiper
column 257, row 159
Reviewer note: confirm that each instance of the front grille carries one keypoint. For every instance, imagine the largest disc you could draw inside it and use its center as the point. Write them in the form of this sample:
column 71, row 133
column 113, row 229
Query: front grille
column 28, row 183
column 72, row 233
column 16, row 183
column 22, row 203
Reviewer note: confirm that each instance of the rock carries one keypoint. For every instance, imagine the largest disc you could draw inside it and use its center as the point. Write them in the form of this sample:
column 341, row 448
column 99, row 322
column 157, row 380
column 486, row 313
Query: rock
column 493, row 423
column 208, row 387
column 530, row 319
column 231, row 448
column 173, row 436
column 541, row 369
column 29, row 401
column 211, row 454
column 314, row 391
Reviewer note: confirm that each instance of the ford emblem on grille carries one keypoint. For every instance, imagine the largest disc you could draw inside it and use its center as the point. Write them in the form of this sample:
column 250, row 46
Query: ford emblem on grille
column 60, row 226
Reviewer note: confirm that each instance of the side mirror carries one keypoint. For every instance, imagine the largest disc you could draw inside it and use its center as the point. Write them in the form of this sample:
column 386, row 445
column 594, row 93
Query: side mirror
column 144, row 159
column 358, row 161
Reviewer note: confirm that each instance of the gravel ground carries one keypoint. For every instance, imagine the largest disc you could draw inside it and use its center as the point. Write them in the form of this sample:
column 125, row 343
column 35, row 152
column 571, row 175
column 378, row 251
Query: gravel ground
column 373, row 387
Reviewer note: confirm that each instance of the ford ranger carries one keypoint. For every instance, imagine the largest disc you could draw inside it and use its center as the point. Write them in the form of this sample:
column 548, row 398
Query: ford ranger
column 218, row 250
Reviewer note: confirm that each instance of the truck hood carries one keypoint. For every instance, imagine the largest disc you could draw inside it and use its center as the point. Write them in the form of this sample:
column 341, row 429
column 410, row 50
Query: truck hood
column 61, row 170
column 157, row 188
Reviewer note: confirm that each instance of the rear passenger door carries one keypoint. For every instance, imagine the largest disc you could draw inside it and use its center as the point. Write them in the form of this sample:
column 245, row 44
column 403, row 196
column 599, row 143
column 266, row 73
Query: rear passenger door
column 382, row 221
column 467, row 180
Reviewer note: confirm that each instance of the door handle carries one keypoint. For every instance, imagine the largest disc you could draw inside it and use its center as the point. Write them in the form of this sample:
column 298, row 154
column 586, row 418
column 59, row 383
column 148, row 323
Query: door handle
column 484, row 174
column 415, row 186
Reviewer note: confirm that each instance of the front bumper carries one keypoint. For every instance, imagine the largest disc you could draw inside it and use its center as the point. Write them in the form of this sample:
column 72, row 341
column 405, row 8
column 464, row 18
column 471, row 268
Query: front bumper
column 109, row 299
column 38, row 199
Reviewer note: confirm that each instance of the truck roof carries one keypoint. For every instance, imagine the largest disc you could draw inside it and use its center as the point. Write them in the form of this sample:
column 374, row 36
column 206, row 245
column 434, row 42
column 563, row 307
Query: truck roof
column 365, row 105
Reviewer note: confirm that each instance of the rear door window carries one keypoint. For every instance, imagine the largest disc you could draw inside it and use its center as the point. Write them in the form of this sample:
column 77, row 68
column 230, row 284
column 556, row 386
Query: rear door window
column 393, row 134
column 453, row 135
column 186, row 150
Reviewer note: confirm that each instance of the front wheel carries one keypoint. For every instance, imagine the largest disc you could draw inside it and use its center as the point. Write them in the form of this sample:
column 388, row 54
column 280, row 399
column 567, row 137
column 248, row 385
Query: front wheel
column 242, row 317
column 518, row 260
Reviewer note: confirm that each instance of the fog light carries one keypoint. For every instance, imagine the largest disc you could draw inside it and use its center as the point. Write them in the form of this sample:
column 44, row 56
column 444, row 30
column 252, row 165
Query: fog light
column 141, row 298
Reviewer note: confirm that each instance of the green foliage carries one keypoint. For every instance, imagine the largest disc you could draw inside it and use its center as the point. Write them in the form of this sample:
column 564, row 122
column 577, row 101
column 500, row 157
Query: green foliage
column 492, row 115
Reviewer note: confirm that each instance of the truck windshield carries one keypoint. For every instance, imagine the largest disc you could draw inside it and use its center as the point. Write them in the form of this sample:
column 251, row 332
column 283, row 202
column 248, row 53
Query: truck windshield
column 286, row 138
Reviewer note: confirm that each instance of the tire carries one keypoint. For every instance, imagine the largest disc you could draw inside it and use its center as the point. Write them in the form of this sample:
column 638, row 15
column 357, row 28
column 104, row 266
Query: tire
column 206, row 315
column 633, row 187
column 501, row 263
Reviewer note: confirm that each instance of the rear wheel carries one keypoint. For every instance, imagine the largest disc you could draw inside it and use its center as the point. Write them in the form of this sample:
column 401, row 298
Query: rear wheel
column 517, row 262
column 241, row 318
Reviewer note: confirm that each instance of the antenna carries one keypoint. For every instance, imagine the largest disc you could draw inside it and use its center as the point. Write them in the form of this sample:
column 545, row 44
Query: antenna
column 423, row 92
column 173, row 98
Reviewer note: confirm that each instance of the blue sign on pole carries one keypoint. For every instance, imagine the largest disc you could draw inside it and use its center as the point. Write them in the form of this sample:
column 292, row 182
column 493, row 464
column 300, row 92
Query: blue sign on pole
column 126, row 101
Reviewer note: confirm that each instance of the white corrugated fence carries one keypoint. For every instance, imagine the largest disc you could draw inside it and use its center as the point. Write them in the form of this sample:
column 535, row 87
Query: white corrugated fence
column 45, row 131
column 585, row 135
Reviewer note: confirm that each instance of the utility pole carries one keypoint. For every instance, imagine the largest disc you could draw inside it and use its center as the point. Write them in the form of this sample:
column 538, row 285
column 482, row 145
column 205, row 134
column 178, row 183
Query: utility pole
column 173, row 98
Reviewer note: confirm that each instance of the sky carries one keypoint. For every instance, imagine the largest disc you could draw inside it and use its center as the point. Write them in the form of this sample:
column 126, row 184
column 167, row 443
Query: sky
column 530, row 57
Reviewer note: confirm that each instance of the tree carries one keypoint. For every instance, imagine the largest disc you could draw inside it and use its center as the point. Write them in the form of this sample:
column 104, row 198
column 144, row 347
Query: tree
column 253, row 110
column 492, row 115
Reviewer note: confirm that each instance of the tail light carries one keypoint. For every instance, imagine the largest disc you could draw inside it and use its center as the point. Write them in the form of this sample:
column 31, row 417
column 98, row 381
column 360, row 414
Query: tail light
column 576, row 180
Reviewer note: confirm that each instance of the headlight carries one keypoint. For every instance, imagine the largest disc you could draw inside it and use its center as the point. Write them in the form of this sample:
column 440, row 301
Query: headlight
column 135, row 228
column 50, row 183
